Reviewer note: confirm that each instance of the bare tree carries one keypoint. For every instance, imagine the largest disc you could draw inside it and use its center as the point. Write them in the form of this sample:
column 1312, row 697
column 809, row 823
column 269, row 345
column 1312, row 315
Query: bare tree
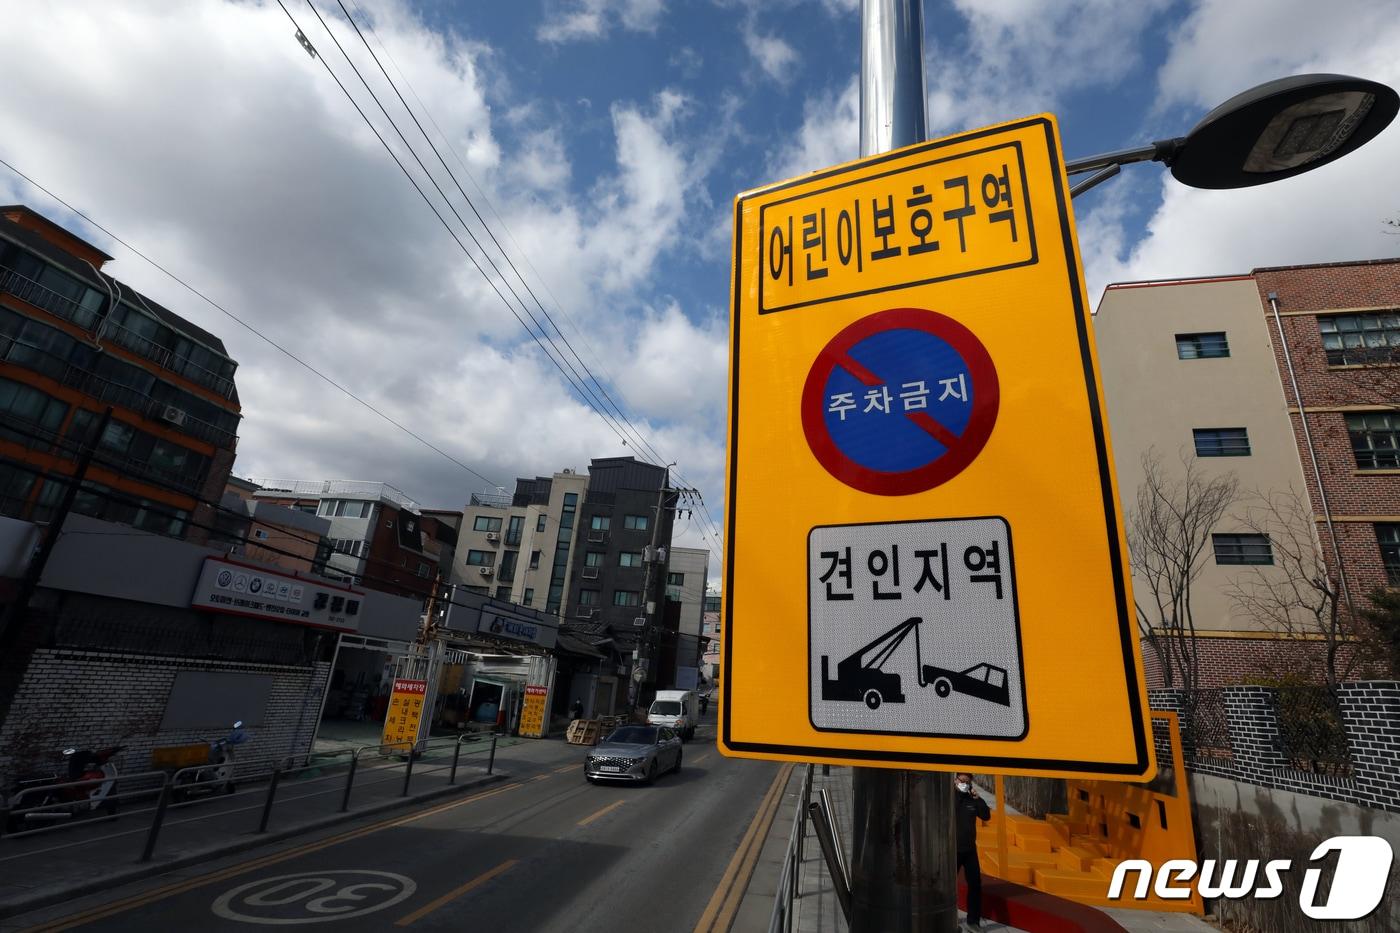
column 1298, row 596
column 1169, row 540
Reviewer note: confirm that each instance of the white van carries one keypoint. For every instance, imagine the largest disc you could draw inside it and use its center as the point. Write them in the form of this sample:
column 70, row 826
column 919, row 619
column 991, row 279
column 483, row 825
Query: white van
column 677, row 709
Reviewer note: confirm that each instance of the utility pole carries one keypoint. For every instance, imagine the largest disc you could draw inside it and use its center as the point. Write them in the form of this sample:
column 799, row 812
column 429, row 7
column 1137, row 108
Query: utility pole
column 904, row 869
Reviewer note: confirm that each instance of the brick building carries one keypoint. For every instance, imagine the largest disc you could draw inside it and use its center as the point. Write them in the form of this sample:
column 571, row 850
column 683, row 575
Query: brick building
column 74, row 341
column 1203, row 372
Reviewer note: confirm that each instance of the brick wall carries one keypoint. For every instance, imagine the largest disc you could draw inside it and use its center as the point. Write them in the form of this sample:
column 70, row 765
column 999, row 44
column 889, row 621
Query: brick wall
column 101, row 670
column 1370, row 717
column 1226, row 661
column 1304, row 292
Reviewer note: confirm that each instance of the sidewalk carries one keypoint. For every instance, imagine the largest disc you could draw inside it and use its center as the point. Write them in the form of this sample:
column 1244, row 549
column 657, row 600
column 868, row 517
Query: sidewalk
column 94, row 854
column 816, row 908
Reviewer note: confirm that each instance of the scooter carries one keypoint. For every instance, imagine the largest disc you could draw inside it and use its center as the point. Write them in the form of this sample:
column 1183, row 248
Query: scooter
column 217, row 773
column 40, row 806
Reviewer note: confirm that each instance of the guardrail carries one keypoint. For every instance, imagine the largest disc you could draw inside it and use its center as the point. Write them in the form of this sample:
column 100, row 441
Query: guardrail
column 818, row 811
column 183, row 789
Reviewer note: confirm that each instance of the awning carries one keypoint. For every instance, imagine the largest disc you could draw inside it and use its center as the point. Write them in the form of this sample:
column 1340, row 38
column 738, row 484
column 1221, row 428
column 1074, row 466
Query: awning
column 571, row 645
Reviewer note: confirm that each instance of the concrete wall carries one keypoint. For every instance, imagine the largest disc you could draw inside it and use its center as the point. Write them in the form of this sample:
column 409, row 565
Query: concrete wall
column 1242, row 821
column 1155, row 400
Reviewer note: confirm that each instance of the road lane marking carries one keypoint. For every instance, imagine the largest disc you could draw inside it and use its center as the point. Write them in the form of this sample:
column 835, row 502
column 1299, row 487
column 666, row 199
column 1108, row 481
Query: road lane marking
column 306, row 897
column 233, row 871
column 567, row 768
column 455, row 893
column 541, row 777
column 601, row 813
column 701, row 759
column 729, row 893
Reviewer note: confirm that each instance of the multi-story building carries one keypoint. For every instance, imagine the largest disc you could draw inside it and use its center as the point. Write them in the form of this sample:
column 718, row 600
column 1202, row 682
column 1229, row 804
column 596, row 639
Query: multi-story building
column 712, row 631
column 74, row 342
column 380, row 538
column 1207, row 374
column 263, row 531
column 516, row 548
column 687, row 577
column 623, row 537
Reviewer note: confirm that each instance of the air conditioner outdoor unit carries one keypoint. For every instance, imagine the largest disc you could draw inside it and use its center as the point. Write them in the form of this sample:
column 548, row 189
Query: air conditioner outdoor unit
column 590, row 573
column 587, row 613
column 487, row 571
column 492, row 536
column 639, row 621
column 172, row 414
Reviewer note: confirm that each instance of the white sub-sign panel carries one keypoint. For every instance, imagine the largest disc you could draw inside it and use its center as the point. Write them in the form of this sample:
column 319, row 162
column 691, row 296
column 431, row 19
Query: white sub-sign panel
column 913, row 629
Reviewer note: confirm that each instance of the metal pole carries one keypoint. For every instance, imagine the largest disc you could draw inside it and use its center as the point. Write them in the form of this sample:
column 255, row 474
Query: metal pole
column 904, row 864
column 491, row 762
column 456, row 756
column 349, row 782
column 408, row 770
column 267, row 804
column 158, row 819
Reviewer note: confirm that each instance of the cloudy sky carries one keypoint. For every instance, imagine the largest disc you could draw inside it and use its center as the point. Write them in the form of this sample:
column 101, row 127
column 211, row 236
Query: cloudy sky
column 603, row 140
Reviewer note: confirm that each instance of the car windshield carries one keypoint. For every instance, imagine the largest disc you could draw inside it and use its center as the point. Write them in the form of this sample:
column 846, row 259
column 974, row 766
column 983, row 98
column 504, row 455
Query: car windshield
column 634, row 735
column 666, row 707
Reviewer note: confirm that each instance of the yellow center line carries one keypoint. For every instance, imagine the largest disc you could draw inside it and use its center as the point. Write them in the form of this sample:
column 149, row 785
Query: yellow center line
column 140, row 900
column 541, row 777
column 567, row 768
column 701, row 758
column 719, row 913
column 603, row 812
column 455, row 893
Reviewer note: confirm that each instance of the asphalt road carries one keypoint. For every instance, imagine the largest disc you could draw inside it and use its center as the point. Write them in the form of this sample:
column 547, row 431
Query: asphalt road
column 543, row 851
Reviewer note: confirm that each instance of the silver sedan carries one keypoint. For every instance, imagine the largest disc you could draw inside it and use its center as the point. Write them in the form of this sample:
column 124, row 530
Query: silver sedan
column 634, row 753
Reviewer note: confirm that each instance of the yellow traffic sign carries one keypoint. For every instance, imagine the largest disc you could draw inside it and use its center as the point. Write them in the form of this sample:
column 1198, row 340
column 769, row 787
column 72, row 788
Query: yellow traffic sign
column 925, row 560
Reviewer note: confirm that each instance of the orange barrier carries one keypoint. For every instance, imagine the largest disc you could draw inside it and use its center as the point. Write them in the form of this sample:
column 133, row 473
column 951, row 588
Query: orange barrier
column 1073, row 855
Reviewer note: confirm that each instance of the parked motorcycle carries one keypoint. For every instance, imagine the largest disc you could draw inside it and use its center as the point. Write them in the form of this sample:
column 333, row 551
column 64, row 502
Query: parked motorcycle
column 43, row 803
column 217, row 772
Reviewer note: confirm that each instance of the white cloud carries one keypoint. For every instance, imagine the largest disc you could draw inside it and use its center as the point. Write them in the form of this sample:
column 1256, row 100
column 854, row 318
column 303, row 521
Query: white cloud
column 776, row 57
column 1334, row 213
column 830, row 133
column 206, row 136
column 592, row 19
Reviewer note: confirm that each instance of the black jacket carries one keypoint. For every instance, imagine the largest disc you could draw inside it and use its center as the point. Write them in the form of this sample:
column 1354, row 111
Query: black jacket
column 967, row 810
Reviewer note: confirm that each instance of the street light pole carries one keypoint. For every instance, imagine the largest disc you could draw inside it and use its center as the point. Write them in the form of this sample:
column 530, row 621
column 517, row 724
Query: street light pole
column 644, row 645
column 904, row 869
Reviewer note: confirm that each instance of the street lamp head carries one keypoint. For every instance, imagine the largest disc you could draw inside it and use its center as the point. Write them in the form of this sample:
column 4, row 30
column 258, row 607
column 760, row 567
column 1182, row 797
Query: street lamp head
column 1282, row 128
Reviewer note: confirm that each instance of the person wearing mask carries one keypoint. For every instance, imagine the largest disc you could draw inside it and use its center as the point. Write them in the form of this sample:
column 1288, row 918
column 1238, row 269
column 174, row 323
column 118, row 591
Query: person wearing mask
column 968, row 808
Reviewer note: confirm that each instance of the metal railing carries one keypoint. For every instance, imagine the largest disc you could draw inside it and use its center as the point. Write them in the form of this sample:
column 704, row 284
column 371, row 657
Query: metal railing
column 40, row 296
column 124, row 336
column 819, row 812
column 339, row 489
column 1310, row 731
column 183, row 788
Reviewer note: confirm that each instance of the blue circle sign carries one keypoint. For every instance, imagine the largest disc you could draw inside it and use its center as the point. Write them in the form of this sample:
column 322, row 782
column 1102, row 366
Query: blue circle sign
column 900, row 401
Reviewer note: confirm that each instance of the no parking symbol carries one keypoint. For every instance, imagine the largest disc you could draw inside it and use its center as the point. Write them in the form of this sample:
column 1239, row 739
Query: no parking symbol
column 900, row 401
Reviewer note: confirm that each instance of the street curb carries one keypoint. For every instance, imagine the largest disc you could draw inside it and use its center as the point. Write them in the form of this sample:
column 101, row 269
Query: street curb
column 139, row 871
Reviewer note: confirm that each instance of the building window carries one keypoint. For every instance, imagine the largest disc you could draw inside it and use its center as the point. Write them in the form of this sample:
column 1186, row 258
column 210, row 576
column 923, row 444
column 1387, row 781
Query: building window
column 599, row 523
column 1206, row 346
column 1375, row 439
column 517, row 522
column 486, row 523
column 588, row 597
column 345, row 508
column 423, row 569
column 534, row 560
column 627, row 598
column 1221, row 442
column 539, row 525
column 16, row 483
column 508, row 562
column 635, row 523
column 1242, row 549
column 1352, row 339
column 481, row 558
column 629, row 559
column 712, row 603
column 593, row 559
column 529, row 595
column 1388, row 537
column 482, row 590
column 675, row 579
column 503, row 593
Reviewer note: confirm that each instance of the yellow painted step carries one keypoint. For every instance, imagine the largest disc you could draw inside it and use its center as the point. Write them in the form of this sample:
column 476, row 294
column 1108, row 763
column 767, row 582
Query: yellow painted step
column 1025, row 827
column 1037, row 844
column 1077, row 885
column 1074, row 858
column 1066, row 826
column 1090, row 844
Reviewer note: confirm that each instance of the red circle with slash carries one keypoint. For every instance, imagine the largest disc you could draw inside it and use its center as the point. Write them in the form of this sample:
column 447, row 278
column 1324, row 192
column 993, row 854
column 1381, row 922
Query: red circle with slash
column 959, row 449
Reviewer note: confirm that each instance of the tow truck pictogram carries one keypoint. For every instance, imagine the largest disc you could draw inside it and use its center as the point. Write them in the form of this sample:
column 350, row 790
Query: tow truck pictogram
column 863, row 679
